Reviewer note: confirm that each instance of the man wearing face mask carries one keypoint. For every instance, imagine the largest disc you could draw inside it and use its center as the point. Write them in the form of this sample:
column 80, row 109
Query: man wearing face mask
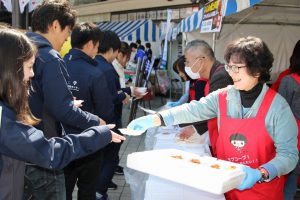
column 201, row 63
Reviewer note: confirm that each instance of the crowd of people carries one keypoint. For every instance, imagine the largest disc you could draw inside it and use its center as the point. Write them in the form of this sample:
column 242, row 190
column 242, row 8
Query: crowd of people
column 63, row 113
column 60, row 117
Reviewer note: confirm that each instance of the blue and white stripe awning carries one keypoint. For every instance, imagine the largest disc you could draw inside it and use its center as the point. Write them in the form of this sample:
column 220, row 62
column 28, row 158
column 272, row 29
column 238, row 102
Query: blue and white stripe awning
column 145, row 30
column 192, row 22
column 234, row 6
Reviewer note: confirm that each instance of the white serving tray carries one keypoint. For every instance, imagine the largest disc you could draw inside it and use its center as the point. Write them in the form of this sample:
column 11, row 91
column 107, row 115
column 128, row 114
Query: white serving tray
column 201, row 176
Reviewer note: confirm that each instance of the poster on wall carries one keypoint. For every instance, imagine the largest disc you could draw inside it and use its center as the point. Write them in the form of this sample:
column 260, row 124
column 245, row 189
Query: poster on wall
column 123, row 17
column 131, row 16
column 165, row 14
column 114, row 18
column 212, row 17
column 160, row 14
column 185, row 12
column 140, row 15
column 175, row 14
column 151, row 15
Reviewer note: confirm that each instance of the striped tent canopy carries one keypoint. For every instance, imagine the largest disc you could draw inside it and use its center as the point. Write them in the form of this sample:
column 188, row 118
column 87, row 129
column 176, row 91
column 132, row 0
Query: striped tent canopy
column 234, row 6
column 145, row 30
column 193, row 22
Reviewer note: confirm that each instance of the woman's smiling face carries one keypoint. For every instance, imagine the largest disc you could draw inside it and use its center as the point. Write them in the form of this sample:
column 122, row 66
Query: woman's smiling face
column 238, row 71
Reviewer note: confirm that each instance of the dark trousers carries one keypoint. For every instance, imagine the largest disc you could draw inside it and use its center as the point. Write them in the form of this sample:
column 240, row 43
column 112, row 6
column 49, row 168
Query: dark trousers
column 43, row 183
column 85, row 172
column 110, row 162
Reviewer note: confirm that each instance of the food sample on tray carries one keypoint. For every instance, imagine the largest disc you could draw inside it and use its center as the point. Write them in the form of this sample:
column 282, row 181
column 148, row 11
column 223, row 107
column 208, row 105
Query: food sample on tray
column 177, row 157
column 197, row 161
column 231, row 167
column 216, row 166
column 194, row 160
column 201, row 172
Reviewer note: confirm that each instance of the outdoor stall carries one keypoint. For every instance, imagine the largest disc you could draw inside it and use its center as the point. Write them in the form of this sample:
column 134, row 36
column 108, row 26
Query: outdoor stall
column 275, row 21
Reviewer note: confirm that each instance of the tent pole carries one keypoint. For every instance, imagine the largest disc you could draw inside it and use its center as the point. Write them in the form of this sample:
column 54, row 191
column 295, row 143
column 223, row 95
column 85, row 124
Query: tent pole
column 16, row 15
column 214, row 42
column 169, row 66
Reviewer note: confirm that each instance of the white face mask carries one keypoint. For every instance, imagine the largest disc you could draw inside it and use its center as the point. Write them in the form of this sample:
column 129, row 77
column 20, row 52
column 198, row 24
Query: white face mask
column 191, row 74
column 188, row 70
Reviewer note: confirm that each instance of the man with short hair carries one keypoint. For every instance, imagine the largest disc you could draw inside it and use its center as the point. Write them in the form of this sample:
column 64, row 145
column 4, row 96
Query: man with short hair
column 87, row 83
column 51, row 100
column 201, row 62
column 108, row 51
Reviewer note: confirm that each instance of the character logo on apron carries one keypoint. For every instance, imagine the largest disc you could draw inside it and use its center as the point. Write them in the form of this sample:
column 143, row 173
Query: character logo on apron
column 239, row 141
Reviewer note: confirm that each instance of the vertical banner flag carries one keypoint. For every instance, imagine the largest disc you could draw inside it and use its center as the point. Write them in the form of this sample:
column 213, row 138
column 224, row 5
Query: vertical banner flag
column 212, row 17
column 7, row 4
column 165, row 49
column 33, row 4
column 22, row 4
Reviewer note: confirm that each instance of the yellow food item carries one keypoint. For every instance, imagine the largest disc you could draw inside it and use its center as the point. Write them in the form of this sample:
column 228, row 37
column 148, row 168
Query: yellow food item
column 197, row 161
column 177, row 157
column 216, row 166
column 231, row 167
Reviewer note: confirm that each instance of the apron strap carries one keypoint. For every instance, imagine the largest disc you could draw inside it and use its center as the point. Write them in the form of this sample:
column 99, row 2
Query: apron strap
column 223, row 102
column 296, row 77
column 266, row 103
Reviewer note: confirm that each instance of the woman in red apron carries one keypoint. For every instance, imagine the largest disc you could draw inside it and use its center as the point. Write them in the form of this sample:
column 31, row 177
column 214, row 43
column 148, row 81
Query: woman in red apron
column 247, row 140
column 289, row 88
column 256, row 126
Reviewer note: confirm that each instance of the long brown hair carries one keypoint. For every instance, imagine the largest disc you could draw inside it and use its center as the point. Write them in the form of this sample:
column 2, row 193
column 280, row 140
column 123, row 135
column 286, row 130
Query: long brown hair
column 15, row 49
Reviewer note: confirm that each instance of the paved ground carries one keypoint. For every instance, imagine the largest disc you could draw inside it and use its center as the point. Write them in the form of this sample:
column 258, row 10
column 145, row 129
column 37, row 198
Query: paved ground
column 132, row 144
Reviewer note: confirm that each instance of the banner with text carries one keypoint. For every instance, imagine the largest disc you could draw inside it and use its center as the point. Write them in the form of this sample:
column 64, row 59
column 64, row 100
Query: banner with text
column 212, row 17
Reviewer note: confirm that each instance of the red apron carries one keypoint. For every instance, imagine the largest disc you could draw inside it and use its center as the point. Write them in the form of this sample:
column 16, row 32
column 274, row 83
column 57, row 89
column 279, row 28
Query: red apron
column 297, row 79
column 192, row 91
column 276, row 85
column 246, row 141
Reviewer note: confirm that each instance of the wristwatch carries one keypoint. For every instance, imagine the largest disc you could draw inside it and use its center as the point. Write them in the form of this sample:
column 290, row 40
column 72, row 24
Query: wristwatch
column 264, row 175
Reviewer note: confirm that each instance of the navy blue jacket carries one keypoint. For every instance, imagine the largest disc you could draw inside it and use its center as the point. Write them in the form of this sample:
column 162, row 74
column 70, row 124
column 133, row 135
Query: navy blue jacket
column 113, row 81
column 88, row 83
column 21, row 143
column 51, row 99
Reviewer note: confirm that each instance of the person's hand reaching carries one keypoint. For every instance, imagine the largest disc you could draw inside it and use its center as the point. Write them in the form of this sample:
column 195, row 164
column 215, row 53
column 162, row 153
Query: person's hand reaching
column 116, row 138
column 143, row 123
column 187, row 132
column 102, row 122
column 173, row 103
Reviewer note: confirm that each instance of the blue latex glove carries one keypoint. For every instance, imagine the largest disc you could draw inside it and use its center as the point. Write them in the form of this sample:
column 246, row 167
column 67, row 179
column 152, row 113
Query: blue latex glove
column 252, row 176
column 173, row 103
column 142, row 123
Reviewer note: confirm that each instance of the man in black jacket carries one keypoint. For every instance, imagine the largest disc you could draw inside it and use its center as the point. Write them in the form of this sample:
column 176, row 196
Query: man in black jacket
column 201, row 62
column 51, row 100
column 87, row 83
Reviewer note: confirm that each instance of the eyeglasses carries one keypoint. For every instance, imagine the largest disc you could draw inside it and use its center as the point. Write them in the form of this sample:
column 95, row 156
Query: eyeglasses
column 233, row 68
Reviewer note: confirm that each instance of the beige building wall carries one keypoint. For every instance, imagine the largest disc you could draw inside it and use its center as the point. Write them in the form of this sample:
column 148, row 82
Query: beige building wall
column 101, row 11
